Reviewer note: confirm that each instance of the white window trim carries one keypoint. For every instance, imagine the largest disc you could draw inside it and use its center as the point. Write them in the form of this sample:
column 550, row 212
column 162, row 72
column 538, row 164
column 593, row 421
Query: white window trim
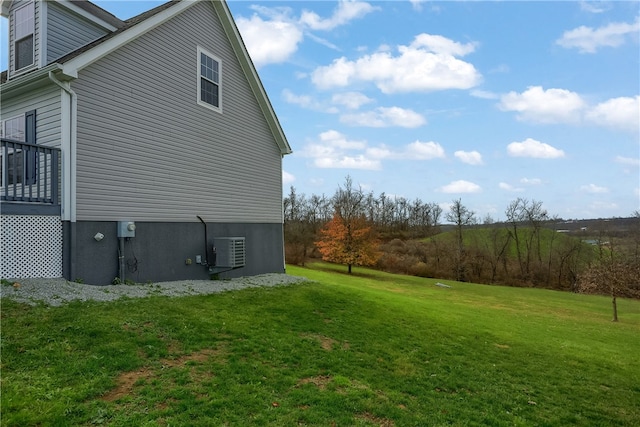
column 3, row 133
column 199, row 77
column 3, row 125
column 16, row 39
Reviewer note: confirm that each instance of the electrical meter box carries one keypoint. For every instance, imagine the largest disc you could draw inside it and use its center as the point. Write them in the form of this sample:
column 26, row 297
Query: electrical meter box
column 126, row 229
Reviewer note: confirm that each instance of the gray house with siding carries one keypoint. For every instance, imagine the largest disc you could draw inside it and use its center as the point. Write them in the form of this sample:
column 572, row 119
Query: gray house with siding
column 144, row 150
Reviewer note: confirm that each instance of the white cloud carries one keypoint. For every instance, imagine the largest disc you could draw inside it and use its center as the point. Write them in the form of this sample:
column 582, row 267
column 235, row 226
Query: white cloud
column 469, row 157
column 532, row 148
column 419, row 150
column 383, row 152
column 592, row 6
column 629, row 161
column 322, row 41
column 351, row 100
column 385, row 117
column 347, row 162
column 334, row 150
column 336, row 139
column 346, row 11
column 269, row 42
column 549, row 106
column 306, row 101
column 461, row 186
column 441, row 45
column 544, row 106
column 484, row 94
column 429, row 63
column 620, row 113
column 287, row 178
column 417, row 4
column 509, row 187
column 594, row 189
column 589, row 40
column 531, row 181
column 276, row 37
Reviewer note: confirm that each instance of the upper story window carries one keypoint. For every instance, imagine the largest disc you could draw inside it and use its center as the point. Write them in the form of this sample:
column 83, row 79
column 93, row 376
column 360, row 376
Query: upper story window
column 23, row 21
column 209, row 88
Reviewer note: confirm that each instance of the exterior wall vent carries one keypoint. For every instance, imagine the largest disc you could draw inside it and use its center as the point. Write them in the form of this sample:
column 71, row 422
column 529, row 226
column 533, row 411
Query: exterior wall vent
column 230, row 252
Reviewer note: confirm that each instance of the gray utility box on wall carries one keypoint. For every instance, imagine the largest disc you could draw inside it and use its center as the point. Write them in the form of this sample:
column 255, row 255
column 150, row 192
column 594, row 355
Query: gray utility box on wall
column 126, row 229
column 230, row 251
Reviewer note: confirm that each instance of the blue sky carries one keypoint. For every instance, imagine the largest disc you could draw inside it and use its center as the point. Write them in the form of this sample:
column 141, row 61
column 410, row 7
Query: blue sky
column 482, row 101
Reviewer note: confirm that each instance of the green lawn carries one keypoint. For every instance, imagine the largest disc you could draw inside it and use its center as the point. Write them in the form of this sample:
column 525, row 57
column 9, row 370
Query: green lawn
column 368, row 349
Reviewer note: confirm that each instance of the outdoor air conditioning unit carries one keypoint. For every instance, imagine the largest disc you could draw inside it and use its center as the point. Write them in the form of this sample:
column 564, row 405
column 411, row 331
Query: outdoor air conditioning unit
column 230, row 252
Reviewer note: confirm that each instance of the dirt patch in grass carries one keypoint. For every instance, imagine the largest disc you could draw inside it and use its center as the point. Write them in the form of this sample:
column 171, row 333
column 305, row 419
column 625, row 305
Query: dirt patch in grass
column 126, row 381
column 328, row 343
column 319, row 381
column 382, row 422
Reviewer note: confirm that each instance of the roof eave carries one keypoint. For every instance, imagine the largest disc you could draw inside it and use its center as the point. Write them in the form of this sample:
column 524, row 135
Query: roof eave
column 27, row 82
column 5, row 5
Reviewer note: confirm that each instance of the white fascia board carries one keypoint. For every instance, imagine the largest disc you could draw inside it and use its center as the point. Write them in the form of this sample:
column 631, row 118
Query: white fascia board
column 20, row 85
column 71, row 67
column 79, row 11
column 233, row 34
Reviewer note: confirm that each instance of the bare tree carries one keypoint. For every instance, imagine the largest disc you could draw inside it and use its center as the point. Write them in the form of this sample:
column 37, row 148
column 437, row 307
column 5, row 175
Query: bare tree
column 514, row 218
column 460, row 216
column 615, row 273
column 525, row 220
column 635, row 231
column 567, row 256
column 298, row 231
column 496, row 245
column 618, row 278
column 348, row 202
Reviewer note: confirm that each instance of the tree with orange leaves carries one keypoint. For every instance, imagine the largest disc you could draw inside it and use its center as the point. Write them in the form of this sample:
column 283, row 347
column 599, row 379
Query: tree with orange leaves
column 352, row 242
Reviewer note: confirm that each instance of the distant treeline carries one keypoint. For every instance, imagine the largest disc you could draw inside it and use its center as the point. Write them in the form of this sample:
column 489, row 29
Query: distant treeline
column 524, row 250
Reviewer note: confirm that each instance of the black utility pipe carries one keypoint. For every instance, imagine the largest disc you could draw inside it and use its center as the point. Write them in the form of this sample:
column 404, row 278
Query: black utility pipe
column 206, row 241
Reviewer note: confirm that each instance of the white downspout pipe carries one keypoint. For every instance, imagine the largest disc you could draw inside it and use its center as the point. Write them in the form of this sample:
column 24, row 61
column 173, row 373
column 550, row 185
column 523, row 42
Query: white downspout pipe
column 69, row 140
column 69, row 151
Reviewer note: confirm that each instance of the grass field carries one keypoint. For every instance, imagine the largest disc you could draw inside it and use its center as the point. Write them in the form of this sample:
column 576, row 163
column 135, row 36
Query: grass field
column 370, row 349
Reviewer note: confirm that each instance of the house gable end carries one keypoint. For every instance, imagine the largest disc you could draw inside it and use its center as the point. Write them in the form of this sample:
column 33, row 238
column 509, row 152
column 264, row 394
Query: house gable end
column 167, row 157
column 74, row 60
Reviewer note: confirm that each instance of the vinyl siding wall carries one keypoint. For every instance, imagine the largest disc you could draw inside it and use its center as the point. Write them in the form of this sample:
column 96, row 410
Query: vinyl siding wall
column 46, row 102
column 148, row 152
column 60, row 40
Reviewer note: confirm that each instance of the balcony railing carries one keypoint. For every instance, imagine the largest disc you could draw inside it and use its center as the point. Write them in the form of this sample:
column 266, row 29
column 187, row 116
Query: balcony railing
column 30, row 178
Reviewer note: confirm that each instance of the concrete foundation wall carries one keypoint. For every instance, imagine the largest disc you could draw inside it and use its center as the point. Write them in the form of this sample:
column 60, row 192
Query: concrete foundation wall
column 160, row 251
